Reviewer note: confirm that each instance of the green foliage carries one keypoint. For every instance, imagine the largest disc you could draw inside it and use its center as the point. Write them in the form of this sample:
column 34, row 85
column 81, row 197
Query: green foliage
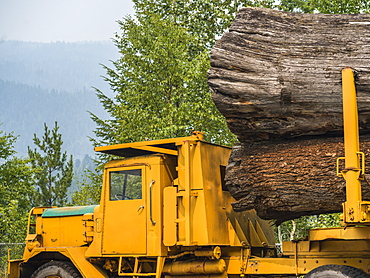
column 298, row 228
column 325, row 6
column 53, row 170
column 15, row 192
column 160, row 81
column 15, row 195
column 6, row 144
column 88, row 189
column 304, row 6
column 205, row 20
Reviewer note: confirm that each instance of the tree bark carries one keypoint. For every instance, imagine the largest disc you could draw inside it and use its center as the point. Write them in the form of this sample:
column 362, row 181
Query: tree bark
column 278, row 74
column 276, row 77
column 286, row 179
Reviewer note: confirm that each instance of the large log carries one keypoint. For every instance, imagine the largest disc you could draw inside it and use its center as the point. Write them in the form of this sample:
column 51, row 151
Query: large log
column 286, row 179
column 277, row 74
column 276, row 78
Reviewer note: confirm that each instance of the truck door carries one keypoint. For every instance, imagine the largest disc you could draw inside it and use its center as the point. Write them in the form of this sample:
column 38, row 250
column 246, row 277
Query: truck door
column 124, row 229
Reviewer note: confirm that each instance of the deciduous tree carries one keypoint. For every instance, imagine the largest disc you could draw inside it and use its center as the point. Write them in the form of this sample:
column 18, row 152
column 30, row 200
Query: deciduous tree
column 89, row 189
column 160, row 81
column 325, row 6
column 16, row 191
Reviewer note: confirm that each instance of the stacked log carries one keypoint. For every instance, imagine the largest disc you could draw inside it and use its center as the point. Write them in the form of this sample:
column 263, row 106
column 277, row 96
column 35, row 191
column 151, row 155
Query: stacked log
column 276, row 77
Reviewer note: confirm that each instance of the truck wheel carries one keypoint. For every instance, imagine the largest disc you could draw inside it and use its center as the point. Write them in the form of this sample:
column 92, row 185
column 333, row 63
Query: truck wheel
column 56, row 269
column 336, row 271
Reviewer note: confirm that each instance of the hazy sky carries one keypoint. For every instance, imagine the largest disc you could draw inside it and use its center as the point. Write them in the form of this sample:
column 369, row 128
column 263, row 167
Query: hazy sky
column 61, row 20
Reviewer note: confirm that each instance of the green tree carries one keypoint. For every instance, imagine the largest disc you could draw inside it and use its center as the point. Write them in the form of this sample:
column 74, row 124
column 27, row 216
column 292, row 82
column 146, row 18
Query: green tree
column 298, row 228
column 160, row 82
column 53, row 170
column 88, row 189
column 206, row 20
column 16, row 191
column 6, row 145
column 325, row 6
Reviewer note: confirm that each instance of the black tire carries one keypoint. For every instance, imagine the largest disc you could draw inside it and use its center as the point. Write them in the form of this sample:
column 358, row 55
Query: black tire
column 56, row 269
column 336, row 271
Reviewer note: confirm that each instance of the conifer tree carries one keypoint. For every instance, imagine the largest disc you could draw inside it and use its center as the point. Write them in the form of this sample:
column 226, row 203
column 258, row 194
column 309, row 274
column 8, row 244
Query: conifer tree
column 54, row 170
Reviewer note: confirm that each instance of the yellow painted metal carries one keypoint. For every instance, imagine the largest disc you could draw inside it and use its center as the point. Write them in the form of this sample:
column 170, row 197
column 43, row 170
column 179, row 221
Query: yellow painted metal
column 301, row 266
column 354, row 209
column 72, row 233
column 204, row 267
column 255, row 239
column 348, row 233
column 200, row 195
column 13, row 268
column 88, row 223
column 240, row 233
column 88, row 270
column 194, row 196
column 139, row 267
column 169, row 216
column 328, row 248
column 164, row 146
column 222, row 275
column 290, row 265
column 251, row 230
column 160, row 266
column 34, row 213
column 156, row 150
column 212, row 253
column 124, row 221
column 75, row 254
column 94, row 249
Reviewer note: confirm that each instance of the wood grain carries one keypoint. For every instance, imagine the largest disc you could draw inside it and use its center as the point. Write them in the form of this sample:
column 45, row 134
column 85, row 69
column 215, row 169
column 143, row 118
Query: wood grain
column 276, row 77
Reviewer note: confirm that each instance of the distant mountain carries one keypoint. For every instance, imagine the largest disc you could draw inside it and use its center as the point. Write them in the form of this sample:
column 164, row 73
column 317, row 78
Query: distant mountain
column 24, row 109
column 42, row 82
column 60, row 66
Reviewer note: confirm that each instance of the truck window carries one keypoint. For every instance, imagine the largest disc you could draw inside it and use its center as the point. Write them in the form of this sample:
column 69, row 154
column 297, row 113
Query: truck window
column 125, row 185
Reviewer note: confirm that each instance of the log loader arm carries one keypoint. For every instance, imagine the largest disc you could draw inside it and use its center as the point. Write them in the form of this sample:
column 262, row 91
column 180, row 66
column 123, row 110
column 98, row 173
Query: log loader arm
column 355, row 210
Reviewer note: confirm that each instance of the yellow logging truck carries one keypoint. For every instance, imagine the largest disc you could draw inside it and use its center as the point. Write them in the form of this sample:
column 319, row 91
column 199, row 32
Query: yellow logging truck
column 164, row 211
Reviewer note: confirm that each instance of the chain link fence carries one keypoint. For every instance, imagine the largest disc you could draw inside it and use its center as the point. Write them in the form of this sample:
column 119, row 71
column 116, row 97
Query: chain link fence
column 15, row 250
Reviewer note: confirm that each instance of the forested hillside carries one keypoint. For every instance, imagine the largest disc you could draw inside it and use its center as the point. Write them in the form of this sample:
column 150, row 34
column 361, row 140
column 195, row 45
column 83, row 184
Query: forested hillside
column 59, row 66
column 48, row 82
column 24, row 109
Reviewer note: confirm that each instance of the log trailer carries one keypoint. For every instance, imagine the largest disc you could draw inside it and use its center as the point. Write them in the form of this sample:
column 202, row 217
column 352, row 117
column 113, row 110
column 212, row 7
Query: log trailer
column 165, row 211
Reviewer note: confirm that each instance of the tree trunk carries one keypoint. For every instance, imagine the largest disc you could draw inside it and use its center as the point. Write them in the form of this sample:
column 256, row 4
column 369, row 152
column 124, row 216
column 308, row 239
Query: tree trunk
column 276, row 76
column 286, row 179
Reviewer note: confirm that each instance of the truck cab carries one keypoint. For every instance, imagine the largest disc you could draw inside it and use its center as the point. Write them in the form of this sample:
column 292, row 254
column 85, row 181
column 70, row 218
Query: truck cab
column 164, row 209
